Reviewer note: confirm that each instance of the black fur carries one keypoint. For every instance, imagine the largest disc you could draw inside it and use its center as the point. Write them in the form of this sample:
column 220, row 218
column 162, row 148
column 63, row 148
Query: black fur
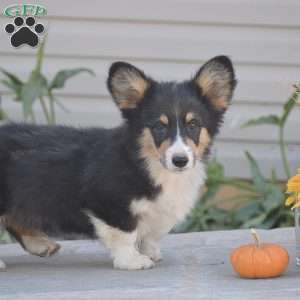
column 51, row 175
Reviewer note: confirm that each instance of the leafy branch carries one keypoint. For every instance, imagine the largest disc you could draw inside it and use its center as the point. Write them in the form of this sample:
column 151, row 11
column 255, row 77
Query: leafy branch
column 37, row 87
column 280, row 122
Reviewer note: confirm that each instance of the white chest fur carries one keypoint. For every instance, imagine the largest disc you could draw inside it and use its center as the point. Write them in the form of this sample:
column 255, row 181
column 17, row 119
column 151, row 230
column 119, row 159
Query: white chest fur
column 176, row 199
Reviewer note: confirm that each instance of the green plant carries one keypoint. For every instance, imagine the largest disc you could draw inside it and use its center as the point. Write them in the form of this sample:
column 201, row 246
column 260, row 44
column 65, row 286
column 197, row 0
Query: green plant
column 269, row 194
column 207, row 215
column 280, row 122
column 259, row 202
column 37, row 87
column 4, row 236
column 265, row 207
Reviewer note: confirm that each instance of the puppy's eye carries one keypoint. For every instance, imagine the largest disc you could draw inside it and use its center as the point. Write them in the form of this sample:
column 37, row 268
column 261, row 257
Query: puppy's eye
column 193, row 124
column 159, row 127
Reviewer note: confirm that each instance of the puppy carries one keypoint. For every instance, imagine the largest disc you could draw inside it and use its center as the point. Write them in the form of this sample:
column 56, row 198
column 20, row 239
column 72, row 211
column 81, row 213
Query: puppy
column 127, row 186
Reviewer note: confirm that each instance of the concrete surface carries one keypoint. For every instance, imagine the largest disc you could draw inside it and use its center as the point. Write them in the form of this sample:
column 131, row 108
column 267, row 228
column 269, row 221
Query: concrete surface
column 195, row 266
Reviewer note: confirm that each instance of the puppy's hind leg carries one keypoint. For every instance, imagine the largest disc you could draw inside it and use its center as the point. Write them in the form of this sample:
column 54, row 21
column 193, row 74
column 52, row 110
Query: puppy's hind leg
column 122, row 246
column 33, row 241
column 39, row 244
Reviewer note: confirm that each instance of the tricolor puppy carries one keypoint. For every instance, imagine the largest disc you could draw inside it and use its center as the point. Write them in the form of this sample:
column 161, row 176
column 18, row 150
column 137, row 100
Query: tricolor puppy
column 127, row 186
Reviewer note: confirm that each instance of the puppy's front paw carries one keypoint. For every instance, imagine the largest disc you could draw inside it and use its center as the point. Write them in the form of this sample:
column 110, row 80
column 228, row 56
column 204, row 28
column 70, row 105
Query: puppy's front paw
column 155, row 255
column 137, row 262
column 2, row 265
column 152, row 250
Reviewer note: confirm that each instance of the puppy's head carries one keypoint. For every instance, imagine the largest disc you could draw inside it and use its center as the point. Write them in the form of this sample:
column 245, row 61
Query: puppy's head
column 174, row 122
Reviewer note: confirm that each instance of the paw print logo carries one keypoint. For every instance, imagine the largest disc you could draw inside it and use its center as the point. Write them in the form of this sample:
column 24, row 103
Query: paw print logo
column 24, row 32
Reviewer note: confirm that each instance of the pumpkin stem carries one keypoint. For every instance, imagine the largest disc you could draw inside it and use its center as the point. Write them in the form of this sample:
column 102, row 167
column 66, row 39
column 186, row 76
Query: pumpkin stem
column 256, row 237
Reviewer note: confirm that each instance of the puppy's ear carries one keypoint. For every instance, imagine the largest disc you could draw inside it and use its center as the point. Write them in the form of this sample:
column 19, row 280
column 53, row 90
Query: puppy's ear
column 216, row 81
column 127, row 85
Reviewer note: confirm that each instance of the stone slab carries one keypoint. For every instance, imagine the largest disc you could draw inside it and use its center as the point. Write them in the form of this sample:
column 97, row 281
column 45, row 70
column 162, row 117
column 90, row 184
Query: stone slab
column 195, row 266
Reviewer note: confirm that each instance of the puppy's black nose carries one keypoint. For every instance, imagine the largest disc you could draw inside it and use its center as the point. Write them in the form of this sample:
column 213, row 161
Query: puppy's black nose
column 179, row 161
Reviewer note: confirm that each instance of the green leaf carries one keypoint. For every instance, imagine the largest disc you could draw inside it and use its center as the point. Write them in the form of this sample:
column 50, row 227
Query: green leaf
column 257, row 177
column 269, row 222
column 274, row 178
column 35, row 88
column 288, row 106
column 215, row 172
column 9, row 85
column 240, row 184
column 255, row 222
column 216, row 215
column 40, row 56
column 212, row 189
column 61, row 105
column 11, row 76
column 13, row 83
column 264, row 120
column 62, row 76
column 208, row 219
column 273, row 198
column 15, row 90
column 247, row 212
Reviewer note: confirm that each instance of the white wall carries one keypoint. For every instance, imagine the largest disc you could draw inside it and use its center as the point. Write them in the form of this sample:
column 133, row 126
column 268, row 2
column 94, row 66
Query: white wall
column 170, row 39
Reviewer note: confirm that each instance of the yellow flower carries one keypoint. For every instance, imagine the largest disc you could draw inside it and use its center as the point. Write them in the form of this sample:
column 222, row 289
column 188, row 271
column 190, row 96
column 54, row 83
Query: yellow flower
column 289, row 201
column 293, row 185
column 293, row 188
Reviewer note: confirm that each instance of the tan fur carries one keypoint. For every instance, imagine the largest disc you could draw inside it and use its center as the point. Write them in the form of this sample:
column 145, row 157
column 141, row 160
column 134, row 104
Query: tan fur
column 148, row 148
column 147, row 144
column 163, row 147
column 215, row 83
column 204, row 141
column 128, row 88
column 126, row 104
column 9, row 223
column 35, row 242
column 178, row 196
column 164, row 119
column 189, row 117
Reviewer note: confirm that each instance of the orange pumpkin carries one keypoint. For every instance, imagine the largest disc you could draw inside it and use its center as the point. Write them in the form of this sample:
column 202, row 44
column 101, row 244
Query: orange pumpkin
column 259, row 260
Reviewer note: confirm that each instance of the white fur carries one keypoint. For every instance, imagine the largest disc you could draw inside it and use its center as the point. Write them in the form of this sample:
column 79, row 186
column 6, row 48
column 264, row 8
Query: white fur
column 179, row 148
column 122, row 246
column 158, row 216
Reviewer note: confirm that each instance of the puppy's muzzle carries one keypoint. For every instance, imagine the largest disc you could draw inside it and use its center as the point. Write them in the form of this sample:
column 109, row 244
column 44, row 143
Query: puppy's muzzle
column 180, row 161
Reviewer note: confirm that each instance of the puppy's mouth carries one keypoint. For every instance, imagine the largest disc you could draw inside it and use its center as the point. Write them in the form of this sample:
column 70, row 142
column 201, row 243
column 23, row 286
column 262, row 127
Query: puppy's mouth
column 180, row 170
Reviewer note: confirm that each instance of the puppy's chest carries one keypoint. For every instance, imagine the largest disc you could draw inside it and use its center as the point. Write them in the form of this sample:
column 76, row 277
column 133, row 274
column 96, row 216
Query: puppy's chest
column 178, row 195
column 176, row 198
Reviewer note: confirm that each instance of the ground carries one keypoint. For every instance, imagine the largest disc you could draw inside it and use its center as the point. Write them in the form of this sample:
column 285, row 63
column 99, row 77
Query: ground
column 195, row 266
